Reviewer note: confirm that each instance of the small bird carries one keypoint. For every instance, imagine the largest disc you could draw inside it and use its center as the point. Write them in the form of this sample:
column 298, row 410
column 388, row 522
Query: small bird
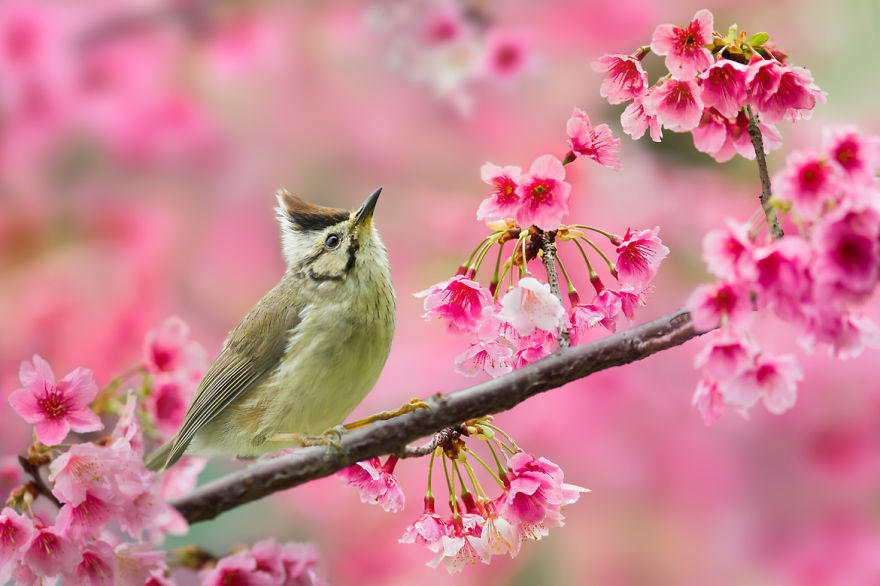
column 309, row 351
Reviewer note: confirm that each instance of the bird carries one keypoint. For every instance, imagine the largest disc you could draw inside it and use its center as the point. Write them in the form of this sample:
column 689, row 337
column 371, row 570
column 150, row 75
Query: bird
column 308, row 352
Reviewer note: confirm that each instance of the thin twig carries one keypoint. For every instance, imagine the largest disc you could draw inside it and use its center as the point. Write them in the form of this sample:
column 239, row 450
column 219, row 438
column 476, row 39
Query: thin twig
column 391, row 437
column 441, row 438
column 758, row 144
column 38, row 482
column 549, row 258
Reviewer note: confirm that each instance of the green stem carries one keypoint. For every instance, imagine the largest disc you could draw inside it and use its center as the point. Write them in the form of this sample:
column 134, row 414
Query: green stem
column 498, row 264
column 610, row 264
column 451, row 484
column 431, row 474
column 486, row 466
column 593, row 274
column 602, row 232
column 479, row 246
column 477, row 486
column 497, row 459
column 502, row 432
column 564, row 274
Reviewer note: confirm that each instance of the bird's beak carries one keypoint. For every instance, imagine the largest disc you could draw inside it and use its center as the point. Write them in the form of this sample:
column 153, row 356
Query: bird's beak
column 365, row 214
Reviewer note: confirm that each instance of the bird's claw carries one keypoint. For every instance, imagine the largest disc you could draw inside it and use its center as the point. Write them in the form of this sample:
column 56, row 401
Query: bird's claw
column 408, row 407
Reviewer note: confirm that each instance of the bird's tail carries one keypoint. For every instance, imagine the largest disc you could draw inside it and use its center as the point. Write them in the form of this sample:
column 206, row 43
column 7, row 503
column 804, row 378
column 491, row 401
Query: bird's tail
column 164, row 456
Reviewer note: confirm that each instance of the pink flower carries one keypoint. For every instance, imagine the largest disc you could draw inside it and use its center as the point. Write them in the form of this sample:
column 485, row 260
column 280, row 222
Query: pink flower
column 507, row 53
column 580, row 319
column 781, row 91
column 725, row 356
column 709, row 401
column 711, row 136
column 846, row 333
column 15, row 534
column 677, row 104
column 376, row 483
column 639, row 257
column 461, row 545
column 847, row 266
column 181, row 478
column 686, row 55
column 772, row 378
column 104, row 471
column 739, row 139
column 808, row 182
column 487, row 356
column 499, row 536
column 50, row 553
column 531, row 305
column 97, row 568
column 427, row 530
column 168, row 348
column 55, row 409
column 856, row 155
column 722, row 302
column 537, row 492
column 267, row 554
column 625, row 80
column 137, row 563
column 84, row 520
column 781, row 272
column 300, row 563
column 503, row 202
column 543, row 194
column 725, row 250
column 240, row 569
column 167, row 402
column 635, row 120
column 460, row 300
column 724, row 87
column 596, row 143
column 610, row 305
column 630, row 300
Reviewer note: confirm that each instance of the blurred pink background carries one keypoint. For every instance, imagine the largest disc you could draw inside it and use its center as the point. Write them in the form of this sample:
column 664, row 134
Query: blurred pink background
column 140, row 147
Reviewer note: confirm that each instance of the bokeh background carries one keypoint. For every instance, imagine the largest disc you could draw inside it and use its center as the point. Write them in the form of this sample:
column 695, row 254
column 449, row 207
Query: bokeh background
column 141, row 143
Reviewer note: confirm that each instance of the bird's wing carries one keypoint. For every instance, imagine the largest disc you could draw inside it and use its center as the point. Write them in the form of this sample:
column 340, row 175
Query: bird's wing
column 251, row 352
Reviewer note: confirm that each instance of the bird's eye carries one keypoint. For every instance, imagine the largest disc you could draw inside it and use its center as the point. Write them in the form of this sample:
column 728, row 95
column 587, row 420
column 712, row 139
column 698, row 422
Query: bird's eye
column 332, row 241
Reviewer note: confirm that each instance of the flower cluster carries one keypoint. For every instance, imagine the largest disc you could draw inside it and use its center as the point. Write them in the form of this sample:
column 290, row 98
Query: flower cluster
column 533, row 494
column 112, row 513
column 816, row 277
column 515, row 326
column 713, row 79
column 449, row 46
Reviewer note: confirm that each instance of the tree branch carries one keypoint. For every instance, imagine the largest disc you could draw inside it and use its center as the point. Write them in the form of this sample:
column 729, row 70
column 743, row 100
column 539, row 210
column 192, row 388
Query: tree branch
column 391, row 437
column 549, row 259
column 758, row 144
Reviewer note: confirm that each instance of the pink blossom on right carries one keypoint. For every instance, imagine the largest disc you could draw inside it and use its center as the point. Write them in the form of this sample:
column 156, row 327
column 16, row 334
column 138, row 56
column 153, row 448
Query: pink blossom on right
column 772, row 378
column 639, row 256
column 808, row 182
column 857, row 155
column 686, row 54
column 710, row 304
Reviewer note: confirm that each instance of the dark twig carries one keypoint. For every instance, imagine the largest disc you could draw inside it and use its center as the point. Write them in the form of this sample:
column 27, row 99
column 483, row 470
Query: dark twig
column 758, row 144
column 392, row 436
column 549, row 258
column 442, row 437
column 37, row 481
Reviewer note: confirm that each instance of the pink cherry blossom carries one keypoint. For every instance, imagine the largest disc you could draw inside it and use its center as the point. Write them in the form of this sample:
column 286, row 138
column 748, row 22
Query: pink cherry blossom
column 101, row 470
column 580, row 319
column 781, row 273
column 856, row 155
column 375, row 483
column 677, row 104
column 626, row 78
column 709, row 401
column 782, row 91
column 724, row 87
column 503, row 201
column 267, row 554
column 181, row 478
column 167, row 402
column 462, row 545
column 50, row 553
column 460, row 300
column 725, row 356
column 507, row 54
column 846, row 333
column 15, row 533
column 636, row 119
column 136, row 563
column 543, row 194
column 239, row 568
column 741, row 142
column 686, row 55
column 630, row 300
column 499, row 536
column 55, row 408
column 772, row 378
column 97, row 568
column 487, row 356
column 596, row 143
column 639, row 257
column 610, row 305
column 427, row 530
column 168, row 348
column 808, row 182
column 726, row 249
column 85, row 520
column 531, row 305
column 710, row 305
column 300, row 561
column 711, row 136
column 847, row 267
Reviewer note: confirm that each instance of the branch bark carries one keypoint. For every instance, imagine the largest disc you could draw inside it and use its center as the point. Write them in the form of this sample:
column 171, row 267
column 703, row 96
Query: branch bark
column 549, row 260
column 758, row 144
column 391, row 437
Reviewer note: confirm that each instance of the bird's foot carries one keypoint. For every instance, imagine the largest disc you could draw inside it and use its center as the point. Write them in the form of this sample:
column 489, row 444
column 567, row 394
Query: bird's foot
column 330, row 438
column 385, row 415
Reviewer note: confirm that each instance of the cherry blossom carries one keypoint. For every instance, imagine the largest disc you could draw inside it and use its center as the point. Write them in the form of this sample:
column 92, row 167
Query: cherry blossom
column 596, row 143
column 543, row 194
column 724, row 87
column 376, row 483
column 640, row 253
column 639, row 117
column 504, row 201
column 459, row 299
column 677, row 104
column 626, row 78
column 686, row 55
column 531, row 305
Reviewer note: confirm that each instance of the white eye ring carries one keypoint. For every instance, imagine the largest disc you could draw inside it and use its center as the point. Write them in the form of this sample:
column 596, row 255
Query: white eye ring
column 332, row 241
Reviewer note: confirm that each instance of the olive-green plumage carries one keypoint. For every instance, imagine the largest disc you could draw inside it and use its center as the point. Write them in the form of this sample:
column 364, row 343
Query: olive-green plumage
column 310, row 350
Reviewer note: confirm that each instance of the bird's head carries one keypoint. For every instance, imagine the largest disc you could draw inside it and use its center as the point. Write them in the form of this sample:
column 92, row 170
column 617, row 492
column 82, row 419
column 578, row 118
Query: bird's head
column 327, row 244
